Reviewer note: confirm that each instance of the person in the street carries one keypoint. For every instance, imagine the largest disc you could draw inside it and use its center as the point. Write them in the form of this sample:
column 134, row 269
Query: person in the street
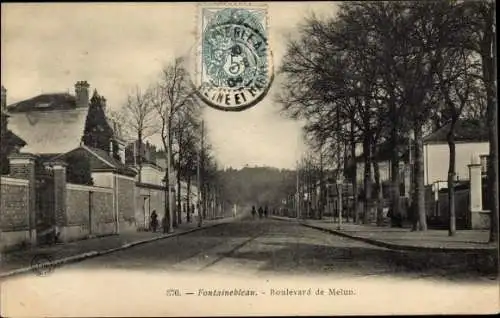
column 253, row 211
column 154, row 221
column 266, row 211
column 261, row 212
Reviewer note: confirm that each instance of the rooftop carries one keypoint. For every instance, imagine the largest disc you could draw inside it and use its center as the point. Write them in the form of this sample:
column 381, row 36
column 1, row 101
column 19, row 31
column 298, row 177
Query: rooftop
column 466, row 130
column 52, row 131
column 44, row 102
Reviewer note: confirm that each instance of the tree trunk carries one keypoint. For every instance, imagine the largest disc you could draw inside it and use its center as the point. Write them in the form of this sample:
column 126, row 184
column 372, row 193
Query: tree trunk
column 321, row 200
column 188, row 199
column 167, row 225
column 395, row 179
column 488, row 57
column 139, row 155
column 354, row 175
column 347, row 198
column 378, row 193
column 367, row 179
column 205, row 201
column 451, row 179
column 419, row 203
column 179, row 194
column 167, row 228
column 171, row 205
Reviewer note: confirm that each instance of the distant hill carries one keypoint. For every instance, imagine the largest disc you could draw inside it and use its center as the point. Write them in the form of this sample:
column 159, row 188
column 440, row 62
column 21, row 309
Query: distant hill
column 257, row 185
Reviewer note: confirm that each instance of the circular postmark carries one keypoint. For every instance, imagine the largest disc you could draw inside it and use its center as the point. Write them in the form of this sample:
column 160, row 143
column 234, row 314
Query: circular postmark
column 41, row 264
column 235, row 70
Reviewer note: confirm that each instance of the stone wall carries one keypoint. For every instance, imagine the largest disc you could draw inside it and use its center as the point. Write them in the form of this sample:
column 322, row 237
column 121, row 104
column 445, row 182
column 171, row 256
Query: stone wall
column 125, row 192
column 149, row 198
column 14, row 212
column 89, row 212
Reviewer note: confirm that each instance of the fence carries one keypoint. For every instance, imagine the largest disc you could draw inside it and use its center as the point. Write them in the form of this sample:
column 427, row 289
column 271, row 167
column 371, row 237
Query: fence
column 438, row 210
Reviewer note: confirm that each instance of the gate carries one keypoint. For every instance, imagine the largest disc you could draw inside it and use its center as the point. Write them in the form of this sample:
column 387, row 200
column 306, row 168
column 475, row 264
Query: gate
column 45, row 213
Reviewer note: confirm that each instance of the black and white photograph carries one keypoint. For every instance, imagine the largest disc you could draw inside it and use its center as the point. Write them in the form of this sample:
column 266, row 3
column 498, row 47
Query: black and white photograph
column 192, row 159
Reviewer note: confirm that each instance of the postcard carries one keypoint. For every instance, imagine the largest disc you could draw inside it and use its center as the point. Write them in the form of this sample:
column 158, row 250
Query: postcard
column 248, row 159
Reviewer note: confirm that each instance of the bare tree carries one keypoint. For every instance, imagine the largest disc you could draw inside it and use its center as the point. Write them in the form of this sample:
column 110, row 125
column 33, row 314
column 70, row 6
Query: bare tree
column 172, row 93
column 480, row 16
column 137, row 117
column 456, row 82
column 185, row 126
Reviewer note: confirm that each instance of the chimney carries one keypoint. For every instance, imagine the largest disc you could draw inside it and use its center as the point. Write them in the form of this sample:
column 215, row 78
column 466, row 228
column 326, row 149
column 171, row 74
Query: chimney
column 82, row 94
column 4, row 99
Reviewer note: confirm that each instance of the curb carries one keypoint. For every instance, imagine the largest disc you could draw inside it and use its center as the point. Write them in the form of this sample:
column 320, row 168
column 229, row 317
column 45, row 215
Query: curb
column 91, row 254
column 401, row 247
column 393, row 246
column 285, row 219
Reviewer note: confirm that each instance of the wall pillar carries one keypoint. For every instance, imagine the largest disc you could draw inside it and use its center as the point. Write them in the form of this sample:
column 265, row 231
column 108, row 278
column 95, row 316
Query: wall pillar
column 22, row 166
column 480, row 219
column 60, row 193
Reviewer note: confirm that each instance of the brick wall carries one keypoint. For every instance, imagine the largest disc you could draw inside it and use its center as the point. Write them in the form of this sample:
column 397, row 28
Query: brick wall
column 102, row 212
column 77, row 205
column 86, row 205
column 14, row 208
column 14, row 213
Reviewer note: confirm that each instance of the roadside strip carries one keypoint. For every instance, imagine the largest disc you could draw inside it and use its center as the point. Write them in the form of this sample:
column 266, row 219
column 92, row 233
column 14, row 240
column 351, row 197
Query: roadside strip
column 393, row 246
column 83, row 256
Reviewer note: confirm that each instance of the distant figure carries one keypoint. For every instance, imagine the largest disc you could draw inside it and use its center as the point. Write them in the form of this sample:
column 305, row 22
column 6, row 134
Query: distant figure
column 261, row 212
column 266, row 212
column 154, row 221
column 234, row 210
column 253, row 212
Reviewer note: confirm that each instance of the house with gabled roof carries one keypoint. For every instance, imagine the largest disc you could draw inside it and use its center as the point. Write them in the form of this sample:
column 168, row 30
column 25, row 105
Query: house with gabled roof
column 69, row 134
column 54, row 124
column 471, row 141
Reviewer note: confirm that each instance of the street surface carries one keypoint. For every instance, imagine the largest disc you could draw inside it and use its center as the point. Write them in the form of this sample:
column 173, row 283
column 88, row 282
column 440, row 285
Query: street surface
column 285, row 257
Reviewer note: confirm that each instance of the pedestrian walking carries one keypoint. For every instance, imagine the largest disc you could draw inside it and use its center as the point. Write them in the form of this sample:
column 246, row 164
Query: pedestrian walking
column 261, row 212
column 266, row 211
column 253, row 211
column 154, row 221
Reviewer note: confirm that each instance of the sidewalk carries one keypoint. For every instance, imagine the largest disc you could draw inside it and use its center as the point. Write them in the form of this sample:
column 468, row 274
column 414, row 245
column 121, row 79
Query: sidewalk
column 404, row 239
column 17, row 262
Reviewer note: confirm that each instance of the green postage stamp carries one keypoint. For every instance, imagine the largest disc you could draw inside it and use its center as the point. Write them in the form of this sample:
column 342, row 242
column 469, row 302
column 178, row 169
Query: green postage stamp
column 234, row 61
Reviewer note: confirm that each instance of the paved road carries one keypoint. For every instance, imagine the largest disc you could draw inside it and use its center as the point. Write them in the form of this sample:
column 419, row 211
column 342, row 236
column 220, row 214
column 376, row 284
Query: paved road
column 264, row 256
column 276, row 247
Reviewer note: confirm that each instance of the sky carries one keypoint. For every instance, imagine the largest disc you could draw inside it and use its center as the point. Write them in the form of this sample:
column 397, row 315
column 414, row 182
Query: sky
column 47, row 48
